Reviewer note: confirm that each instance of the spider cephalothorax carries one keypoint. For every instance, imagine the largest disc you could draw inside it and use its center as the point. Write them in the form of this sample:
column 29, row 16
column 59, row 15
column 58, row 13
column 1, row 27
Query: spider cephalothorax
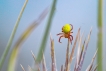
column 66, row 32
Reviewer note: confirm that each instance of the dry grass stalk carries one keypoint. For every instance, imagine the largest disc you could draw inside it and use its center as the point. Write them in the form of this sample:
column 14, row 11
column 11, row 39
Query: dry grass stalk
column 62, row 68
column 44, row 64
column 95, row 68
column 78, row 53
column 90, row 69
column 33, row 56
column 36, row 64
column 38, row 69
column 91, row 64
column 72, row 52
column 82, row 60
column 67, row 56
column 82, row 52
column 80, row 57
column 29, row 68
column 53, row 55
column 22, row 67
column 79, row 50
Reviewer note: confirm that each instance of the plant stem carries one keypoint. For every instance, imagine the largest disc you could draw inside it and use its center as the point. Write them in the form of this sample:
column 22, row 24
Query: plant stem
column 43, row 44
column 67, row 56
column 99, row 43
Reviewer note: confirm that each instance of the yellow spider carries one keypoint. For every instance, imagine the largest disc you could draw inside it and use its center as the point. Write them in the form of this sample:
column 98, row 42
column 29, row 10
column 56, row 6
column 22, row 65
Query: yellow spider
column 66, row 32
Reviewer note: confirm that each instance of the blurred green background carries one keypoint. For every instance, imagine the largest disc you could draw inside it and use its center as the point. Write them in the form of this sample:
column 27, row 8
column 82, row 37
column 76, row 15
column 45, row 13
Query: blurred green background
column 82, row 14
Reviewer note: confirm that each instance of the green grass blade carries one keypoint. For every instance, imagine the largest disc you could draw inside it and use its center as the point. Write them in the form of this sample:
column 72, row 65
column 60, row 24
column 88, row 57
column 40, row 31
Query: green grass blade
column 43, row 44
column 12, row 36
column 100, row 37
column 13, row 58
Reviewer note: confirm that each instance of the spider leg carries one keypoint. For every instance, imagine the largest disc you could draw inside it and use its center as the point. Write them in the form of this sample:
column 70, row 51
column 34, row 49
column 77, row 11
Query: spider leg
column 71, row 37
column 70, row 40
column 71, row 32
column 59, row 33
column 60, row 38
column 71, row 26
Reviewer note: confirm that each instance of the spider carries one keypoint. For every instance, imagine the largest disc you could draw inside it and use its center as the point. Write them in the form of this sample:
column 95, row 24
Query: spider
column 66, row 32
